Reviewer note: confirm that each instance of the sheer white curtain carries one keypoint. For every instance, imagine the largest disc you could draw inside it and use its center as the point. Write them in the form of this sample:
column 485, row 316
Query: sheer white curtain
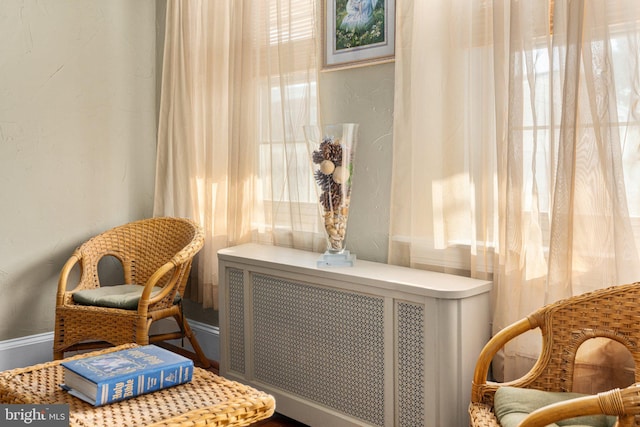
column 238, row 83
column 525, row 134
column 444, row 186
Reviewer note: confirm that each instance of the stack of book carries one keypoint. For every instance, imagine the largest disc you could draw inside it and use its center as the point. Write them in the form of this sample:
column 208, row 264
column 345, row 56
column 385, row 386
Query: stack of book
column 111, row 377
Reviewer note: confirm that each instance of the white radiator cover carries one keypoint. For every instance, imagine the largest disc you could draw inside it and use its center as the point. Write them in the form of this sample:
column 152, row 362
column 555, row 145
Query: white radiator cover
column 373, row 344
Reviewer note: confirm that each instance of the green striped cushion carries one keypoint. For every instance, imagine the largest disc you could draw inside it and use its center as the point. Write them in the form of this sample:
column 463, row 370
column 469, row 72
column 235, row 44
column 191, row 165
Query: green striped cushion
column 511, row 405
column 119, row 296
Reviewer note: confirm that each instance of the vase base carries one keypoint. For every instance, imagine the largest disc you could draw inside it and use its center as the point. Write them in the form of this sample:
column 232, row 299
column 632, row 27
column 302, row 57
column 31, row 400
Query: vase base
column 345, row 259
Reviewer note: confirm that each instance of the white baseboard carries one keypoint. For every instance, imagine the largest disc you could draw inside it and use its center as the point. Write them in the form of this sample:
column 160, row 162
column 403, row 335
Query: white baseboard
column 25, row 351
column 34, row 349
column 208, row 337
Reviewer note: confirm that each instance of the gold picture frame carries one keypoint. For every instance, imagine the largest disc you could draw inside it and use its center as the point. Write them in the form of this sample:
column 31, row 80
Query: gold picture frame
column 357, row 33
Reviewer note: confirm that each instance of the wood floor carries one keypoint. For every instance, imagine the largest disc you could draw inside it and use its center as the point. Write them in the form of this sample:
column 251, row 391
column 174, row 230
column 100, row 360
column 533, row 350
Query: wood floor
column 277, row 420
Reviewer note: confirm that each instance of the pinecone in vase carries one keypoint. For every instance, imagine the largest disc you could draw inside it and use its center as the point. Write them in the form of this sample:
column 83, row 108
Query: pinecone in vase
column 323, row 180
column 332, row 150
column 332, row 197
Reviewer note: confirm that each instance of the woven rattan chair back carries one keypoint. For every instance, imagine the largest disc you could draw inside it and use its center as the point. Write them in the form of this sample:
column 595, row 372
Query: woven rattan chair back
column 564, row 326
column 155, row 252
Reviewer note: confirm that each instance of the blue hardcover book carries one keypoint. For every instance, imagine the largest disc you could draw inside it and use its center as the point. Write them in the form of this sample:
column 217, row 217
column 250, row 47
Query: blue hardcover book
column 110, row 377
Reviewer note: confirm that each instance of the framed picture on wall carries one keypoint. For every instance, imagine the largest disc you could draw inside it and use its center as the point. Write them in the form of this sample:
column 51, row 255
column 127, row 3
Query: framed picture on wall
column 358, row 32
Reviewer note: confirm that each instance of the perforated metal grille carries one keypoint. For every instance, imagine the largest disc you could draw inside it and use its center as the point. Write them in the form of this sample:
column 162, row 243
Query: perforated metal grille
column 322, row 344
column 410, row 364
column 236, row 319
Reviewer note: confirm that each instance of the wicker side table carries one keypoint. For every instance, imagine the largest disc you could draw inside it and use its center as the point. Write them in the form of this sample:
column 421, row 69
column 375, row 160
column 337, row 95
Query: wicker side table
column 207, row 400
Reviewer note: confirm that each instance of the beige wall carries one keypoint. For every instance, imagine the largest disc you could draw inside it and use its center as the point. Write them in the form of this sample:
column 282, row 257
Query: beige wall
column 364, row 95
column 78, row 99
column 77, row 139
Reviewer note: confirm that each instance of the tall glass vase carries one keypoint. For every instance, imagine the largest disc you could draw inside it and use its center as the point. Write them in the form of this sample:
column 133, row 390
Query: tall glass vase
column 332, row 149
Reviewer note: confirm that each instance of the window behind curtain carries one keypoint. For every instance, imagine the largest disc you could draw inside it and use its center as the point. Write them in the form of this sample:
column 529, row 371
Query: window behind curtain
column 439, row 223
column 288, row 101
column 536, row 139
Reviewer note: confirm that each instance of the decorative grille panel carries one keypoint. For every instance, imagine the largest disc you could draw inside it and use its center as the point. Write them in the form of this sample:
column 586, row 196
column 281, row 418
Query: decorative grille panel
column 323, row 344
column 410, row 393
column 236, row 319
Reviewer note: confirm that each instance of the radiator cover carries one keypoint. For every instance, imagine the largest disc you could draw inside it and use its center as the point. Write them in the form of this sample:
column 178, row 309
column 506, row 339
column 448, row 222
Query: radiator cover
column 372, row 344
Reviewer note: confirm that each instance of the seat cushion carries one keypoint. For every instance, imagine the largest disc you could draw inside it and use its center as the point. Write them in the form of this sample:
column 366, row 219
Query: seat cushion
column 125, row 297
column 512, row 405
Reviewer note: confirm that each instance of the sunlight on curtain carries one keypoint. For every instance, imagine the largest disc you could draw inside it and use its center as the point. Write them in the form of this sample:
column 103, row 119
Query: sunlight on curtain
column 516, row 150
column 443, row 191
column 239, row 82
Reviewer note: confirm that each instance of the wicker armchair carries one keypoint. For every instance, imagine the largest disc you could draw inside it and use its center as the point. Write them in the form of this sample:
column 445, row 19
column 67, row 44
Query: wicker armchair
column 565, row 325
column 155, row 254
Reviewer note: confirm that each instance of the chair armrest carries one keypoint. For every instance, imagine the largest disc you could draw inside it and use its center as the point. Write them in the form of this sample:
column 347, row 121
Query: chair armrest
column 624, row 404
column 173, row 283
column 64, row 276
column 489, row 351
